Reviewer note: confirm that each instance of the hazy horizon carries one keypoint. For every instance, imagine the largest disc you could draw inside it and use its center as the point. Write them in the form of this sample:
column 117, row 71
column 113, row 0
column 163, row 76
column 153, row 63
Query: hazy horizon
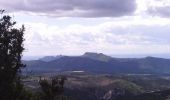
column 166, row 56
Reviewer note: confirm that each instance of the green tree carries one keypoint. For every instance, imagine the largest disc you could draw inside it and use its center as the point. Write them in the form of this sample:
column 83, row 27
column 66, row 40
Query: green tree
column 51, row 88
column 11, row 48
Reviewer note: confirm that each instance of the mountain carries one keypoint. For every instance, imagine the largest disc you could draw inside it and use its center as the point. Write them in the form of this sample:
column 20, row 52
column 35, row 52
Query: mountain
column 100, row 63
column 50, row 58
column 97, row 56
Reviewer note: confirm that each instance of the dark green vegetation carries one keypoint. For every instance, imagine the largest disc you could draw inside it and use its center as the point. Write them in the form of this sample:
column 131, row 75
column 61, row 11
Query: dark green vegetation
column 11, row 48
column 47, row 89
column 86, row 86
column 100, row 63
column 51, row 89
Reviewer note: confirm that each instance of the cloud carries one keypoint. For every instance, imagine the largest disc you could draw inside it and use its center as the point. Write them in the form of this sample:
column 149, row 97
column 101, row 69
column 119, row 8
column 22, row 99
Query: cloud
column 162, row 11
column 72, row 8
column 158, row 8
column 105, row 37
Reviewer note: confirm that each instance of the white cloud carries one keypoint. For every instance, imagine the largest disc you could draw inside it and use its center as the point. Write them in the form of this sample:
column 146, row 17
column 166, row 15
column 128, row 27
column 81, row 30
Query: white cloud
column 158, row 8
column 118, row 33
column 107, row 37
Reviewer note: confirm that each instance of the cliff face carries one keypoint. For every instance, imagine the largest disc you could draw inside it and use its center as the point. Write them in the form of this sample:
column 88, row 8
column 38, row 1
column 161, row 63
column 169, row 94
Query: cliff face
column 99, row 87
column 113, row 94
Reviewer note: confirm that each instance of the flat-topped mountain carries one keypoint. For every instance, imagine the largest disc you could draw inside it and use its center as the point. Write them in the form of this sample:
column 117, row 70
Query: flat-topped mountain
column 97, row 56
column 100, row 63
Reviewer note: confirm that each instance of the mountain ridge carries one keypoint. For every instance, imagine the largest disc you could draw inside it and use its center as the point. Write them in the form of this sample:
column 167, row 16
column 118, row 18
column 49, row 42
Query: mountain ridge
column 100, row 63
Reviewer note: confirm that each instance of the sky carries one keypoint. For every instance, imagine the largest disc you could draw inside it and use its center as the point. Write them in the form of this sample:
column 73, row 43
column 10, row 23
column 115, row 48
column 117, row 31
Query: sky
column 72, row 27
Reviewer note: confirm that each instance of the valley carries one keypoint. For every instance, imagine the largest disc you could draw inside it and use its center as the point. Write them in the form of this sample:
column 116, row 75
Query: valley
column 106, row 86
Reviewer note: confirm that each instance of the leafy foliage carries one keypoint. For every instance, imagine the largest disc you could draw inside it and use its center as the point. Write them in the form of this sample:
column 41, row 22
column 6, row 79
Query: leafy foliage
column 11, row 48
column 51, row 88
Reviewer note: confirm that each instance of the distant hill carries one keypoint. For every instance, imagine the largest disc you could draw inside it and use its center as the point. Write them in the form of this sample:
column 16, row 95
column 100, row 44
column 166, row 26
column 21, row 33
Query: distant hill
column 50, row 58
column 100, row 63
column 97, row 56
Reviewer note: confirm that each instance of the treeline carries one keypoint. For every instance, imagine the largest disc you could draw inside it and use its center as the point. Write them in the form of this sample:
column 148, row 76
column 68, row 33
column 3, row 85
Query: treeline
column 50, row 89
